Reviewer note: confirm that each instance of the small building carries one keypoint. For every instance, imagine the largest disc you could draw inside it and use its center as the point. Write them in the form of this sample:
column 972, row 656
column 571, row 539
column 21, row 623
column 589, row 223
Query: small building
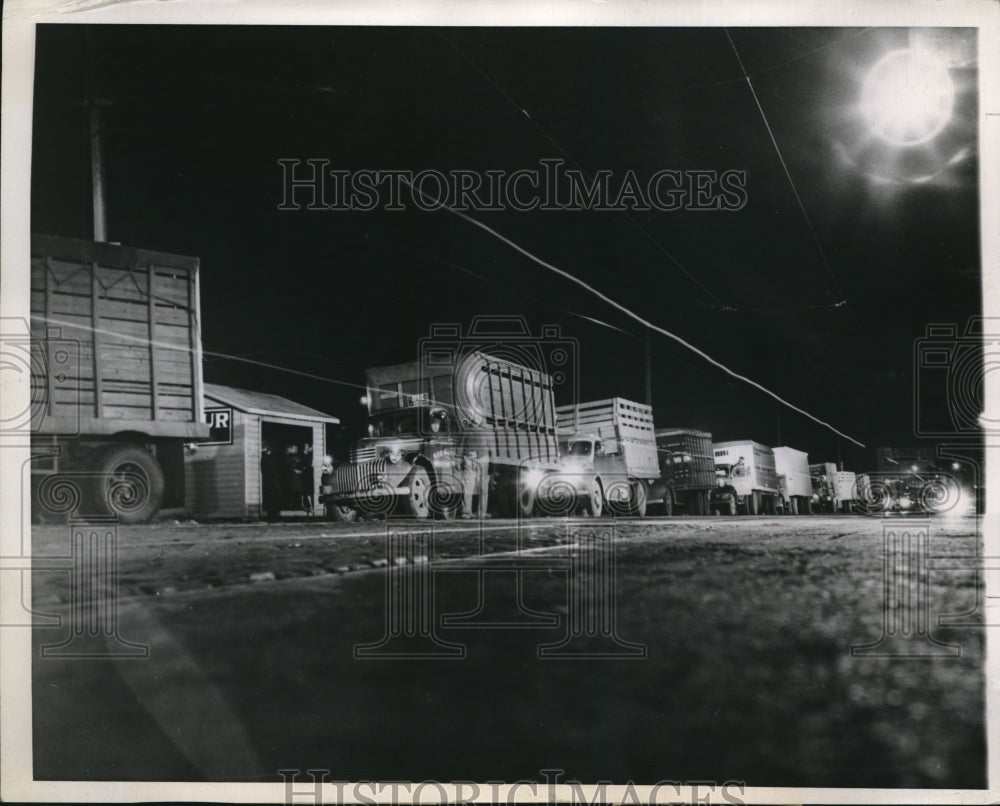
column 223, row 476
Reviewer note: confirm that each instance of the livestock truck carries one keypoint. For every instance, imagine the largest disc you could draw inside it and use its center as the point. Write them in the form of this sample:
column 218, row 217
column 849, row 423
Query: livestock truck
column 687, row 469
column 608, row 452
column 794, row 481
column 833, row 490
column 424, row 414
column 116, row 377
column 745, row 477
column 845, row 490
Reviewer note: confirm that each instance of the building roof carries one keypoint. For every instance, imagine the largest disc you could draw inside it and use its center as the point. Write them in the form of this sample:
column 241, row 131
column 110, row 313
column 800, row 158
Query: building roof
column 264, row 404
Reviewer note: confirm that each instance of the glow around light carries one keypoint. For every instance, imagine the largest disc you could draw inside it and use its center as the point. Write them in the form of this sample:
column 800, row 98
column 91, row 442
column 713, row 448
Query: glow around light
column 533, row 478
column 907, row 97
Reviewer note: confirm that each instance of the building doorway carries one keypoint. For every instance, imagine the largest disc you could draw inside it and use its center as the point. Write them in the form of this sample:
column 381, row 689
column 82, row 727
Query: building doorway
column 287, row 458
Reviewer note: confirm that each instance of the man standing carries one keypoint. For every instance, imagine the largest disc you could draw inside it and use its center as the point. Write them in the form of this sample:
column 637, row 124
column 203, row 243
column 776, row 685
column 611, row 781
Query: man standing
column 475, row 478
column 270, row 483
column 291, row 478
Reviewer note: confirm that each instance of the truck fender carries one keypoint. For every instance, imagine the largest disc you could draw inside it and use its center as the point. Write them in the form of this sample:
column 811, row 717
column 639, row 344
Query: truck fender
column 444, row 502
column 422, row 461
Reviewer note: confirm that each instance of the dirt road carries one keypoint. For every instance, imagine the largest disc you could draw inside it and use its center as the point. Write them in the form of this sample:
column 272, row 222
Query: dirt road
column 712, row 649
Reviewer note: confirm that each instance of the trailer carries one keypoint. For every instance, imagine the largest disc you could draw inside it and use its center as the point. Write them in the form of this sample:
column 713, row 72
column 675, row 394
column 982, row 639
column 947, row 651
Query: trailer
column 794, row 481
column 611, row 443
column 424, row 415
column 845, row 490
column 116, row 377
column 824, row 496
column 687, row 469
column 746, row 478
column 833, row 490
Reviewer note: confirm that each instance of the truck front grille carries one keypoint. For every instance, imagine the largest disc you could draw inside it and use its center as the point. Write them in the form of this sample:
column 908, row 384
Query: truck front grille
column 354, row 478
column 365, row 453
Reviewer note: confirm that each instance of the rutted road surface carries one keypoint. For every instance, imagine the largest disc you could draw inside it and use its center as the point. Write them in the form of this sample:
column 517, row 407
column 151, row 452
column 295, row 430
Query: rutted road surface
column 735, row 662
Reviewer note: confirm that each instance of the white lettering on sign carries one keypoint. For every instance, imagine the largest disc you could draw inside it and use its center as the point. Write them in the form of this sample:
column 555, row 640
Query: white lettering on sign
column 220, row 423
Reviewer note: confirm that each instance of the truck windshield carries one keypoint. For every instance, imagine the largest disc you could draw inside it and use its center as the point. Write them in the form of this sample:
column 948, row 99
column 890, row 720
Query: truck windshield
column 408, row 421
column 392, row 424
column 579, row 449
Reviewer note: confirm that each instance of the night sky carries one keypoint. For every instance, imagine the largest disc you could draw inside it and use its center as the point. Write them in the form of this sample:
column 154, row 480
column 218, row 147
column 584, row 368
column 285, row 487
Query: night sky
column 199, row 117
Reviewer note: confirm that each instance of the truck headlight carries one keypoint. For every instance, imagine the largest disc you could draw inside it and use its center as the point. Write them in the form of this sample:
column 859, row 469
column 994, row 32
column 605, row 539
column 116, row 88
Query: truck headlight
column 905, row 502
column 533, row 478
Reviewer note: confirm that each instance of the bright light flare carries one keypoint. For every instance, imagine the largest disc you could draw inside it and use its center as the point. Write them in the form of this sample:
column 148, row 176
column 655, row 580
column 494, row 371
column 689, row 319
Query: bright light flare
column 533, row 478
column 907, row 97
column 965, row 507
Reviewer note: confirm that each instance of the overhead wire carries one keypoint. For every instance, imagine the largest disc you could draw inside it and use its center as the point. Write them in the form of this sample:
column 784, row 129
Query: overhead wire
column 570, row 158
column 788, row 173
column 627, row 311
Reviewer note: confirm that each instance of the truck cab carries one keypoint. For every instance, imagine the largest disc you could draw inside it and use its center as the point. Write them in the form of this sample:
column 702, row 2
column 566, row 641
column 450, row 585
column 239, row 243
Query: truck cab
column 409, row 454
column 597, row 469
column 745, row 477
column 722, row 499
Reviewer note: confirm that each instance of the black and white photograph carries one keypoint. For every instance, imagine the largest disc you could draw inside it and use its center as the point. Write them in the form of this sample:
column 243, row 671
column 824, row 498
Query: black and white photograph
column 405, row 406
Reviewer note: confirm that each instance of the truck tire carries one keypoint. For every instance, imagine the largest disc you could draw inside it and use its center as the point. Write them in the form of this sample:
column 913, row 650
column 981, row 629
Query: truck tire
column 443, row 502
column 342, row 513
column 638, row 501
column 447, row 510
column 524, row 499
column 417, row 501
column 127, row 483
column 593, row 504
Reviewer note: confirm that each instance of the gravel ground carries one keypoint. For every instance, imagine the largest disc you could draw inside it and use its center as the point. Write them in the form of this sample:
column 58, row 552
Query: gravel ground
column 748, row 674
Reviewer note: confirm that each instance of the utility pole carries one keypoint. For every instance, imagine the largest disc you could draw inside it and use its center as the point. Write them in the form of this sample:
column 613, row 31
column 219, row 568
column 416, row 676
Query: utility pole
column 97, row 168
column 95, row 132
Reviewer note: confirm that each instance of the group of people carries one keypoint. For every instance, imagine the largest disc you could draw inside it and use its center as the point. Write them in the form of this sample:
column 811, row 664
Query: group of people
column 288, row 483
column 286, row 478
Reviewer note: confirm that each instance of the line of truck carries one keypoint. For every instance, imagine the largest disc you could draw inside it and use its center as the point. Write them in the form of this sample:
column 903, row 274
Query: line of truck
column 596, row 457
column 117, row 391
